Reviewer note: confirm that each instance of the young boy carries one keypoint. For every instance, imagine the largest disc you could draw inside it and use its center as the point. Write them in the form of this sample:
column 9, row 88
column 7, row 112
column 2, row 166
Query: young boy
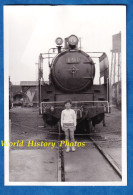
column 68, row 123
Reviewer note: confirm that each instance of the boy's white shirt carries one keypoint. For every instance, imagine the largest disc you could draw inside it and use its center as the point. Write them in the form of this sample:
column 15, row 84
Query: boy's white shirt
column 68, row 116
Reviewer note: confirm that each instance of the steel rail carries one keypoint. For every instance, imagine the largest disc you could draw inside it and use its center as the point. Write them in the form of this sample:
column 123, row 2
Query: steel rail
column 109, row 159
column 61, row 172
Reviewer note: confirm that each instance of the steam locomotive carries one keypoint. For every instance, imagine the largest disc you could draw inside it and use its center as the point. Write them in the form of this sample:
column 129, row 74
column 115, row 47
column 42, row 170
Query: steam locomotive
column 72, row 73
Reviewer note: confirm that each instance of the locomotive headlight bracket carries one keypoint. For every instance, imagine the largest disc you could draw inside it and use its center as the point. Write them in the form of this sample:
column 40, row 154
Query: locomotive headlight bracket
column 59, row 41
column 73, row 40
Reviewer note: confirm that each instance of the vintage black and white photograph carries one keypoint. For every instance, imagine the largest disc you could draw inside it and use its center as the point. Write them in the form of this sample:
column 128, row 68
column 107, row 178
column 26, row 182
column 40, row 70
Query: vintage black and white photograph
column 65, row 95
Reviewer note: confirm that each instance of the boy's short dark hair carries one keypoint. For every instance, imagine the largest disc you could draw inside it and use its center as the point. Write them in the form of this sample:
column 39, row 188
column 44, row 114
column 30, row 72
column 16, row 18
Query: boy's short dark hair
column 68, row 101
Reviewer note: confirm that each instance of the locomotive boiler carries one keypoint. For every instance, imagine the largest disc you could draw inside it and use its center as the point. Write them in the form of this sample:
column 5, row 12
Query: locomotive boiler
column 72, row 74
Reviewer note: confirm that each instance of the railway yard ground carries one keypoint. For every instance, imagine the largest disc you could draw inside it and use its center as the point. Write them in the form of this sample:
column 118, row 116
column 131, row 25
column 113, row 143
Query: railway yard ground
column 31, row 163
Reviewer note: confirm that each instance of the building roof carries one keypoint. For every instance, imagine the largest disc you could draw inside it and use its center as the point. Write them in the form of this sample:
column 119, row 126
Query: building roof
column 28, row 83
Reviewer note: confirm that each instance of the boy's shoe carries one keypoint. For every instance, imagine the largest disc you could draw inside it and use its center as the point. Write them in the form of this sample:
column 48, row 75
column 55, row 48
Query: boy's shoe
column 73, row 148
column 68, row 149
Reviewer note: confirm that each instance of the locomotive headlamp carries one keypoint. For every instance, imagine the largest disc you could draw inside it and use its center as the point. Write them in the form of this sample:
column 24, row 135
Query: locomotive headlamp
column 73, row 40
column 59, row 41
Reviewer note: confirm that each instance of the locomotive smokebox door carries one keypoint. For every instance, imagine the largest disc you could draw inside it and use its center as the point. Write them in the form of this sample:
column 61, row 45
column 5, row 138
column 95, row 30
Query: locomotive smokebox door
column 73, row 71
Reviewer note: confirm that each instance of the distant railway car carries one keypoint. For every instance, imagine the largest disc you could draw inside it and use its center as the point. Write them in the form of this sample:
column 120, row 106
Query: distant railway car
column 72, row 74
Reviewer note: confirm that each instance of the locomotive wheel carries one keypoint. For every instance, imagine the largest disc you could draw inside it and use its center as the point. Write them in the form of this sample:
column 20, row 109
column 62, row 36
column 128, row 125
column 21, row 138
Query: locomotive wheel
column 97, row 119
column 85, row 126
column 90, row 126
column 49, row 120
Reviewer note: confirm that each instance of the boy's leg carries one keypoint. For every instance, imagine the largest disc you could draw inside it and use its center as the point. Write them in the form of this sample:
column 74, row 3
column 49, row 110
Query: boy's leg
column 72, row 139
column 67, row 135
column 72, row 136
column 67, row 139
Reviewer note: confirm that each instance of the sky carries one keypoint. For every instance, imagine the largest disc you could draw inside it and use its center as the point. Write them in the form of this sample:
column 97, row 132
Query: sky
column 31, row 30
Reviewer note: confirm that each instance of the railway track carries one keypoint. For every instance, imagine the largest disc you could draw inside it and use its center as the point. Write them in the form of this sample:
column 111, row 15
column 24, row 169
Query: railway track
column 90, row 140
column 109, row 159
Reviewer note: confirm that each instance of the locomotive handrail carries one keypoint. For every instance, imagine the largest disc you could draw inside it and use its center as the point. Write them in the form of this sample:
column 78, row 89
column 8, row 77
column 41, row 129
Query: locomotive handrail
column 48, row 53
column 77, row 102
column 95, row 52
